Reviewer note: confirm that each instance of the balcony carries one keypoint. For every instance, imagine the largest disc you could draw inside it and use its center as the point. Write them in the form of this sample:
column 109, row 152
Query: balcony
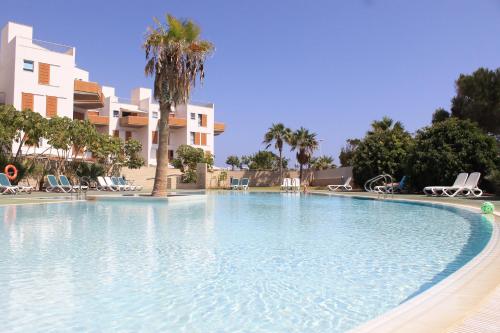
column 88, row 95
column 98, row 120
column 134, row 121
column 174, row 122
column 219, row 128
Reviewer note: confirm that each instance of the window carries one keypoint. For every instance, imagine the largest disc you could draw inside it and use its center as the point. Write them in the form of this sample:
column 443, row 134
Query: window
column 27, row 101
column 28, row 65
column 155, row 115
column 51, row 106
column 203, row 139
column 170, row 154
column 193, row 115
column 116, row 113
column 154, row 135
column 193, row 135
column 116, row 133
column 128, row 135
column 200, row 120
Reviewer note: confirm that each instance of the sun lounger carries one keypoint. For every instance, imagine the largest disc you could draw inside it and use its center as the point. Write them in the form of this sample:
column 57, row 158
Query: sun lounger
column 344, row 187
column 5, row 186
column 54, row 185
column 102, row 185
column 244, row 183
column 132, row 186
column 112, row 184
column 120, row 185
column 65, row 183
column 235, row 183
column 439, row 190
column 470, row 187
column 286, row 185
column 295, row 186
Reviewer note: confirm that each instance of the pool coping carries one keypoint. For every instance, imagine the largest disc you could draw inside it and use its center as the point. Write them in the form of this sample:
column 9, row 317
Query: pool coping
column 446, row 304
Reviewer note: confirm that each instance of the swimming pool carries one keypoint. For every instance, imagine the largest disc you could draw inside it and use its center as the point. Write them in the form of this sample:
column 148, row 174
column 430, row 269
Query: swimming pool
column 235, row 262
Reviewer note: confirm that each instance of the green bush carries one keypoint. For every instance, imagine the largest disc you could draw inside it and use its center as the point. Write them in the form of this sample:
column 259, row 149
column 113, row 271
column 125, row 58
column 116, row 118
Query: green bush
column 494, row 179
column 384, row 149
column 449, row 147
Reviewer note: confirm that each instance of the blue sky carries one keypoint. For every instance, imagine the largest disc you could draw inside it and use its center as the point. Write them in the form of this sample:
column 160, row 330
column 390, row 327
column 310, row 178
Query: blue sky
column 330, row 66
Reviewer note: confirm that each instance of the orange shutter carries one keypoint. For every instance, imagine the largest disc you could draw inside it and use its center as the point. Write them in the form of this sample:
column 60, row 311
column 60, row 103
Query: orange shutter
column 51, row 106
column 116, row 133
column 204, row 120
column 27, row 102
column 196, row 138
column 128, row 135
column 203, row 139
column 155, row 137
column 43, row 73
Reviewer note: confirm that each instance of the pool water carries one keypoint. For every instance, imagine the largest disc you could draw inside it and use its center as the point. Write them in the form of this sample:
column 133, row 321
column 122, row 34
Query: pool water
column 235, row 262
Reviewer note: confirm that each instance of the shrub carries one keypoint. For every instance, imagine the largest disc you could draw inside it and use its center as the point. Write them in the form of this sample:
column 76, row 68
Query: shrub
column 449, row 147
column 384, row 149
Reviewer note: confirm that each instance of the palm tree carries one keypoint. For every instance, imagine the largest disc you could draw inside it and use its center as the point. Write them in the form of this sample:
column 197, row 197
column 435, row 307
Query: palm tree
column 175, row 57
column 323, row 162
column 305, row 143
column 385, row 124
column 279, row 134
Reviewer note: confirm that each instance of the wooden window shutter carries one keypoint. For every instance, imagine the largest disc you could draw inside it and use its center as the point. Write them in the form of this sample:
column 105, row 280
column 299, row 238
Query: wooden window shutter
column 204, row 120
column 116, row 133
column 203, row 139
column 197, row 138
column 27, row 101
column 43, row 73
column 51, row 106
column 155, row 137
column 128, row 135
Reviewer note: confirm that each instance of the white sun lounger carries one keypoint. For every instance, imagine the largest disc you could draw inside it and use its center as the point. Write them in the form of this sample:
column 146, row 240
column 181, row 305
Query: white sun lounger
column 286, row 185
column 346, row 186
column 103, row 185
column 470, row 187
column 113, row 185
column 295, row 185
column 439, row 190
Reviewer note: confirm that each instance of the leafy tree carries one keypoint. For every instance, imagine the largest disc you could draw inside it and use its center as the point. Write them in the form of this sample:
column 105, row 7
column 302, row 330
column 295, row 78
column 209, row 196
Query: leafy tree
column 440, row 115
column 322, row 163
column 108, row 151
column 384, row 149
column 478, row 99
column 175, row 58
column 81, row 135
column 265, row 160
column 9, row 120
column 31, row 127
column 245, row 161
column 347, row 152
column 446, row 148
column 304, row 143
column 233, row 161
column 187, row 157
column 132, row 149
column 279, row 134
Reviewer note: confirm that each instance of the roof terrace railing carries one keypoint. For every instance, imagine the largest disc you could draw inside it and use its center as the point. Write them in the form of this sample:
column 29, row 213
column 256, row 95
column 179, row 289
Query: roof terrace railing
column 46, row 46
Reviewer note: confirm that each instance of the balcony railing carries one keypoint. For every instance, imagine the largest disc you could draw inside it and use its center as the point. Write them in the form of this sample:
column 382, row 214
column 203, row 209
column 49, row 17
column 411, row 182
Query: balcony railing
column 134, row 121
column 98, row 120
column 219, row 128
column 88, row 95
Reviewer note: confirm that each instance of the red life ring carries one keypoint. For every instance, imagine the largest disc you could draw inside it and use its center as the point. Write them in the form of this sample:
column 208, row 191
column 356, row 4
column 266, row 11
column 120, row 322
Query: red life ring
column 11, row 172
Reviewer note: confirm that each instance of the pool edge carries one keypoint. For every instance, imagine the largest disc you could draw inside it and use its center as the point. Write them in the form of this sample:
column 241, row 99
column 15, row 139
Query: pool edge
column 444, row 306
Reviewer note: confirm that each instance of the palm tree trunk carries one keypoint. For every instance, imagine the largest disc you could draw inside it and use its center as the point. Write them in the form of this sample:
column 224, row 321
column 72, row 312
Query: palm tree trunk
column 300, row 172
column 160, row 184
column 281, row 168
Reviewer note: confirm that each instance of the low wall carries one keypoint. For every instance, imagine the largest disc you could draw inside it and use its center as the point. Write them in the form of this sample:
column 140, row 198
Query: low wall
column 258, row 178
column 264, row 178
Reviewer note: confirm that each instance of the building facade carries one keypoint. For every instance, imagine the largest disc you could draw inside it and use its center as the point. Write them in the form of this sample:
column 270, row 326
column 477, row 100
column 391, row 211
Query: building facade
column 43, row 77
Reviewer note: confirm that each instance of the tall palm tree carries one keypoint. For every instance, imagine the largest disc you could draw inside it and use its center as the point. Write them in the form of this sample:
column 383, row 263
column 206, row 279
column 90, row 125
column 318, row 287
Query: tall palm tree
column 305, row 143
column 175, row 57
column 385, row 124
column 280, row 135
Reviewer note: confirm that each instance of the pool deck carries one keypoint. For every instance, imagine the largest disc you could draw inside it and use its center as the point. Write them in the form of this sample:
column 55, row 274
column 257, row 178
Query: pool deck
column 467, row 301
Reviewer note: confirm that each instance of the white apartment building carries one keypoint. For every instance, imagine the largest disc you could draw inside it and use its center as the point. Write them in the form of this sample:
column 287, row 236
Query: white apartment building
column 43, row 77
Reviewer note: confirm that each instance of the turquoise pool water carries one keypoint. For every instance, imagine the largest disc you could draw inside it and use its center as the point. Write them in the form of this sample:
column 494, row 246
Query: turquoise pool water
column 235, row 262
